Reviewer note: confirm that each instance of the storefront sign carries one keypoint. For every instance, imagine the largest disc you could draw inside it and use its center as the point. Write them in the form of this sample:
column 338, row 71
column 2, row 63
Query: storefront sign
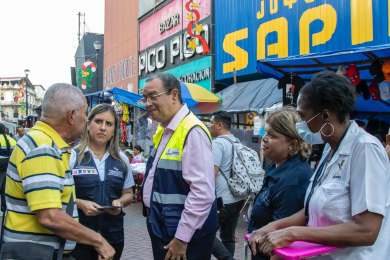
column 169, row 23
column 254, row 30
column 123, row 70
column 170, row 53
column 196, row 76
column 171, row 15
column 197, row 71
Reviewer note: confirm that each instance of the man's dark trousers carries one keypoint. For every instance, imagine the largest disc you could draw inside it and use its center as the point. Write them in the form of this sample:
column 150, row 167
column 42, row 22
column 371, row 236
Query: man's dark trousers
column 228, row 219
column 196, row 250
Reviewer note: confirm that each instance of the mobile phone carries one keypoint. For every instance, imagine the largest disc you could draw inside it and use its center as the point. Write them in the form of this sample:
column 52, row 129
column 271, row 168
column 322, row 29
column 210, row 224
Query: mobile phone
column 109, row 207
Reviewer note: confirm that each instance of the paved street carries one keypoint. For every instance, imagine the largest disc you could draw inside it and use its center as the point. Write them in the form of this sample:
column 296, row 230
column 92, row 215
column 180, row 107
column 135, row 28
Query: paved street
column 137, row 243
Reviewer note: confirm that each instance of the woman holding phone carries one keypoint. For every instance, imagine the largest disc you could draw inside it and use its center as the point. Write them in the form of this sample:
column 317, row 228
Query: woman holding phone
column 103, row 180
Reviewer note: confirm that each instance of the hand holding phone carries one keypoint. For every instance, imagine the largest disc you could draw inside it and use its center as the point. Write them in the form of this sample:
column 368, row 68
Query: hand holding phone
column 109, row 207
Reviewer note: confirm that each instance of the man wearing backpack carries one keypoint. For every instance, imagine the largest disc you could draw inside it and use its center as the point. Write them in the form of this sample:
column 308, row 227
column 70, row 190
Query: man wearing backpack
column 229, row 204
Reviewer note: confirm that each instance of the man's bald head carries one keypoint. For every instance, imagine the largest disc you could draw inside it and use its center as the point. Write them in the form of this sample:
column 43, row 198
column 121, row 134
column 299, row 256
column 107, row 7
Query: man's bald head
column 59, row 99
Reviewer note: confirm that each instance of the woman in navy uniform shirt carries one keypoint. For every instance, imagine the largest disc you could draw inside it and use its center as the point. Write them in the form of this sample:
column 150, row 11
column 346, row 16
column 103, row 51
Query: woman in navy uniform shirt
column 285, row 182
column 102, row 178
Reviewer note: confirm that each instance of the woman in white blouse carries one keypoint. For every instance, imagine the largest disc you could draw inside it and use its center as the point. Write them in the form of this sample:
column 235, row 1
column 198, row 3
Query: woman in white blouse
column 347, row 201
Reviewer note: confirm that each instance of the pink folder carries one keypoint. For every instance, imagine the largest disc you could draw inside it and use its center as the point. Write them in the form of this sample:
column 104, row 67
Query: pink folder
column 301, row 250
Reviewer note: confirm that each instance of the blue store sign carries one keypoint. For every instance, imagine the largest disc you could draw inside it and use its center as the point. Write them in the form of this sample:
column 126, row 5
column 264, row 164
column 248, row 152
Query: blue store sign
column 254, row 30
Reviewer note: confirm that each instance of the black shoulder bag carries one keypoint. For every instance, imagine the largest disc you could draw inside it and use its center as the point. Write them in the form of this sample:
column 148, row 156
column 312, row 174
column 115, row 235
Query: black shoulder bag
column 31, row 250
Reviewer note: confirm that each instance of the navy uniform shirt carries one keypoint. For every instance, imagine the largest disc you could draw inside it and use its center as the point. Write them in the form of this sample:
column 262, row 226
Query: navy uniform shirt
column 282, row 194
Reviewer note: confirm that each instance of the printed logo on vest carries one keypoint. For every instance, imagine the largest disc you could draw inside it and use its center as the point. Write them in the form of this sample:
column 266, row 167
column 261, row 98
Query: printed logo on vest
column 173, row 152
column 115, row 172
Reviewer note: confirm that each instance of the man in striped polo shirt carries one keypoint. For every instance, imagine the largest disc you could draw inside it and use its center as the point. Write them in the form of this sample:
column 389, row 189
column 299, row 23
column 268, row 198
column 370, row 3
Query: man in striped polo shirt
column 39, row 183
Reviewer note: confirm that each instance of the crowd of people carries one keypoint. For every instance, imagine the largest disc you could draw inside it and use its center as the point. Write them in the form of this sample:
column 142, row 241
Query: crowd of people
column 66, row 181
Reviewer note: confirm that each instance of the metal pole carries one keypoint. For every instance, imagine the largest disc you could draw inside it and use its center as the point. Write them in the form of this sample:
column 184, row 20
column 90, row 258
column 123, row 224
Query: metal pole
column 26, row 95
column 97, row 72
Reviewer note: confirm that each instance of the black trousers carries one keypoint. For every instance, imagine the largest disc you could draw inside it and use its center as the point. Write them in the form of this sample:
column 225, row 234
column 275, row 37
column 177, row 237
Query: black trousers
column 228, row 218
column 196, row 250
column 84, row 252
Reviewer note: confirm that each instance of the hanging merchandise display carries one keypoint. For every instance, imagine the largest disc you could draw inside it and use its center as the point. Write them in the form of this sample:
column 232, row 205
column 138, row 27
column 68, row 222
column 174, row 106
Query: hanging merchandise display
column 123, row 131
column 291, row 85
column 353, row 74
column 86, row 74
column 384, row 86
column 259, row 126
column 125, row 113
column 249, row 119
column 374, row 90
column 377, row 77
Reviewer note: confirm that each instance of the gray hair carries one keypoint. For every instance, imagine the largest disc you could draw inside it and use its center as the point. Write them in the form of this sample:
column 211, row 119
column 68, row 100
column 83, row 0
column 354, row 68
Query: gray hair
column 61, row 98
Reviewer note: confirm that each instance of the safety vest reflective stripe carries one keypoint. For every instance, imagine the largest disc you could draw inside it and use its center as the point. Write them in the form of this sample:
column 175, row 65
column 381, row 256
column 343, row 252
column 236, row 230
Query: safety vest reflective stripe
column 169, row 198
column 169, row 165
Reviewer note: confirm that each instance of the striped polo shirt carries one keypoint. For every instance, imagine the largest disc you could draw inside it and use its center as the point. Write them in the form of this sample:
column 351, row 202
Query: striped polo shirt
column 38, row 177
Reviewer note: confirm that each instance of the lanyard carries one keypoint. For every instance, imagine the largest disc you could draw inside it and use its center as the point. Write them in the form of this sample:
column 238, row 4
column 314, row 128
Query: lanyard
column 317, row 177
column 320, row 172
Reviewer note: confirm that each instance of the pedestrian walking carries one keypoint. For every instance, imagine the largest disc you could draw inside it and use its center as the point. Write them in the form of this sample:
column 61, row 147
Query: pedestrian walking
column 179, row 187
column 347, row 200
column 229, row 204
column 40, row 185
column 286, row 180
column 103, row 180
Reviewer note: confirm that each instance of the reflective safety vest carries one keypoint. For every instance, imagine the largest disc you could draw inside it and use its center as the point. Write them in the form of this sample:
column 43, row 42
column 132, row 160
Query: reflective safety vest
column 170, row 190
column 4, row 151
column 90, row 187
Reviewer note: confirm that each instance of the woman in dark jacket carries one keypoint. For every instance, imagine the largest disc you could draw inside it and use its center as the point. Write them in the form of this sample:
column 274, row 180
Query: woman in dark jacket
column 103, row 181
column 286, row 180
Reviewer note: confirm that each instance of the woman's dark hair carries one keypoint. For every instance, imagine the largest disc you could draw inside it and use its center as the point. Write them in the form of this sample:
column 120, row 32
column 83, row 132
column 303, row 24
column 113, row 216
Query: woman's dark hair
column 328, row 90
column 139, row 148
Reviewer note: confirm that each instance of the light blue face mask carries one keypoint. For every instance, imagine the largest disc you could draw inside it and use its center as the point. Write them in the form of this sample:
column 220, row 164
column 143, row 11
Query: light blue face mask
column 306, row 134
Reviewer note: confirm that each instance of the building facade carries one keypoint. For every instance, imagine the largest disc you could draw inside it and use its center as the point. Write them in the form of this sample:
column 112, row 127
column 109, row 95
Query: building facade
column 121, row 45
column 89, row 63
column 13, row 98
column 175, row 37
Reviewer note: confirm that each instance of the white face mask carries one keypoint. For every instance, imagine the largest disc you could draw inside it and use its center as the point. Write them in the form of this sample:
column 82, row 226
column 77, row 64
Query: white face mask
column 306, row 134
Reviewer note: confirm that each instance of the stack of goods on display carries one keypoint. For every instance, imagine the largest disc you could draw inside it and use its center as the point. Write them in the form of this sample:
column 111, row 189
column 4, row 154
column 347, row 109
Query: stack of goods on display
column 291, row 85
column 378, row 89
column 384, row 86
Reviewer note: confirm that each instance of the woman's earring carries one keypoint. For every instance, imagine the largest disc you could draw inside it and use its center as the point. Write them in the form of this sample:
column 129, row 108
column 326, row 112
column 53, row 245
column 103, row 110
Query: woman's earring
column 327, row 124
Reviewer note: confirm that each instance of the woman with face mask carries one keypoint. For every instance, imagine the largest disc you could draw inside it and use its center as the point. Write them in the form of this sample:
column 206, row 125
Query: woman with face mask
column 103, row 180
column 347, row 201
column 285, row 182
